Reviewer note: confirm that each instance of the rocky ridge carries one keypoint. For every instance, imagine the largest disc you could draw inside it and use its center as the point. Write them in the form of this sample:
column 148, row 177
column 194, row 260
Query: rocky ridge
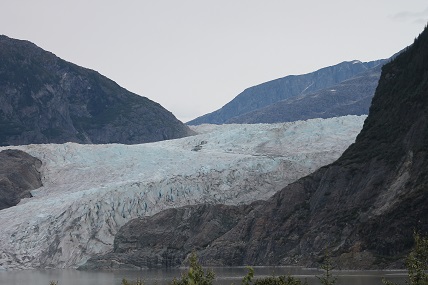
column 44, row 99
column 19, row 174
column 261, row 96
column 349, row 97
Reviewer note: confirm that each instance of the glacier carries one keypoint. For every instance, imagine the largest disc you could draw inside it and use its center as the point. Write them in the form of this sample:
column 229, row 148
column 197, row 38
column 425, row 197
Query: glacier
column 90, row 191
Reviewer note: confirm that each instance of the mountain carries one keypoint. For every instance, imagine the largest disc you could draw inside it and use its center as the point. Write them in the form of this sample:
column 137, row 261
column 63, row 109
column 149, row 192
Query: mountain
column 90, row 191
column 265, row 94
column 44, row 99
column 363, row 208
column 349, row 97
column 19, row 174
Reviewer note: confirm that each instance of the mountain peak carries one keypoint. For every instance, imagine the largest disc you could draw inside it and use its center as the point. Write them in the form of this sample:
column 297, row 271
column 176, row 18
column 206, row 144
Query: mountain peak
column 268, row 94
column 44, row 99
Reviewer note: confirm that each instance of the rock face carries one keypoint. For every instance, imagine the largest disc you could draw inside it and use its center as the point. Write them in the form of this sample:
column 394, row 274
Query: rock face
column 363, row 208
column 44, row 99
column 166, row 242
column 19, row 173
column 293, row 86
column 350, row 97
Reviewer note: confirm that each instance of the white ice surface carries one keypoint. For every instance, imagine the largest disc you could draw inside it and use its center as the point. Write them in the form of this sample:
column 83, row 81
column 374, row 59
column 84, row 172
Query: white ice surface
column 90, row 191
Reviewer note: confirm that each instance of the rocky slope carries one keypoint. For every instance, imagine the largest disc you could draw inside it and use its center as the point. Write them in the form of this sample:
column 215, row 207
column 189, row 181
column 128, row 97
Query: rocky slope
column 90, row 191
column 350, row 97
column 19, row 173
column 363, row 208
column 167, row 243
column 265, row 94
column 44, row 99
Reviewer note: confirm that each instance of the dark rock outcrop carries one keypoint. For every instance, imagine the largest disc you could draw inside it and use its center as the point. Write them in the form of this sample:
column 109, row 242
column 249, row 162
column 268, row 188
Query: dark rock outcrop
column 363, row 208
column 44, row 99
column 268, row 93
column 19, row 173
column 350, row 97
column 165, row 239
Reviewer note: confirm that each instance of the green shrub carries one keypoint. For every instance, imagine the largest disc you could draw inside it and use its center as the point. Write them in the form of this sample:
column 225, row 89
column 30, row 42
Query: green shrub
column 416, row 263
column 137, row 282
column 281, row 280
column 249, row 277
column 327, row 278
column 195, row 275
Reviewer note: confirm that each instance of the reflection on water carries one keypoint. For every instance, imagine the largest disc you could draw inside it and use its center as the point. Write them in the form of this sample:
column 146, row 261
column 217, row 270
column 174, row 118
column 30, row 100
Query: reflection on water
column 224, row 275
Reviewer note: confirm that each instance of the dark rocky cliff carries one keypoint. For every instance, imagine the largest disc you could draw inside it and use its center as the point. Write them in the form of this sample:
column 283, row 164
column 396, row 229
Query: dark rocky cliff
column 265, row 94
column 363, row 208
column 177, row 232
column 44, row 99
column 19, row 173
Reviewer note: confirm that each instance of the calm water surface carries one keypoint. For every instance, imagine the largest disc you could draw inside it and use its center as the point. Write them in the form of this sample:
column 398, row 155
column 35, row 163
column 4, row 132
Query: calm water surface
column 224, row 275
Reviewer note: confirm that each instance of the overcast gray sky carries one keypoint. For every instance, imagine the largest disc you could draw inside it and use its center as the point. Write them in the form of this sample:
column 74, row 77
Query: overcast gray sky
column 194, row 56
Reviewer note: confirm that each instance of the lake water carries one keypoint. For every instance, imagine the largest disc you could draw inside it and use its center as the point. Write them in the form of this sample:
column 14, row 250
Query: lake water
column 224, row 275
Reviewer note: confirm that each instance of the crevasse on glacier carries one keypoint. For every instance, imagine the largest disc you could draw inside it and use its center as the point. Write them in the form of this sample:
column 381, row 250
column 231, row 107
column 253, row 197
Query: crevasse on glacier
column 90, row 191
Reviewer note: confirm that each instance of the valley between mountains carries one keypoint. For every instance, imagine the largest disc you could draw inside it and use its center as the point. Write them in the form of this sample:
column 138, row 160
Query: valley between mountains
column 90, row 191
column 94, row 177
